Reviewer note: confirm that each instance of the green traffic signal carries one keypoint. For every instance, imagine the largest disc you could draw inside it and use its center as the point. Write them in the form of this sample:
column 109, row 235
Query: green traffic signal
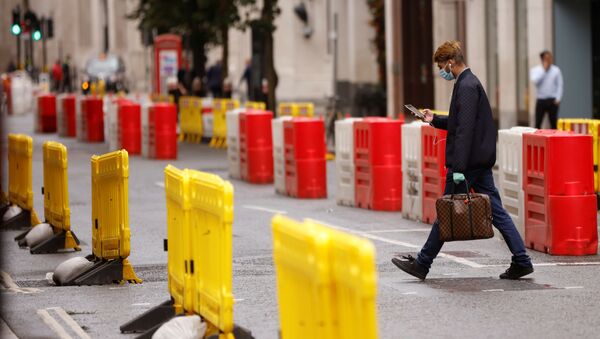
column 15, row 29
column 36, row 35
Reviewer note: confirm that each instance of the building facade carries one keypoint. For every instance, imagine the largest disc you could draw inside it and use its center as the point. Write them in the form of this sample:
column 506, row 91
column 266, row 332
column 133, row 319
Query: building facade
column 502, row 41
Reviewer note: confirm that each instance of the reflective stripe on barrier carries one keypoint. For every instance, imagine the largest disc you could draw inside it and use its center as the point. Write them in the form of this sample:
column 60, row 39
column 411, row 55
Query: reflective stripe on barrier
column 56, row 192
column 211, row 219
column 328, row 272
column 110, row 210
column 20, row 192
column 177, row 191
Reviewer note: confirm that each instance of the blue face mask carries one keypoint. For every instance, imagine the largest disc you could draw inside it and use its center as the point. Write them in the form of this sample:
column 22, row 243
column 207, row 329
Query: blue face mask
column 446, row 75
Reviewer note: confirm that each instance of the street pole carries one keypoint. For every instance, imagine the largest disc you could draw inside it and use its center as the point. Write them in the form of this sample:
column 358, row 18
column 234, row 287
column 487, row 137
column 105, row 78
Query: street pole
column 44, row 56
column 19, row 64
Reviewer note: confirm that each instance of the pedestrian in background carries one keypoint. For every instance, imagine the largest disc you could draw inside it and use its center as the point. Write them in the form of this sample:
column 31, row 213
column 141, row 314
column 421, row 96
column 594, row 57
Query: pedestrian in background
column 548, row 82
column 470, row 156
column 66, row 69
column 214, row 77
column 247, row 78
column 57, row 76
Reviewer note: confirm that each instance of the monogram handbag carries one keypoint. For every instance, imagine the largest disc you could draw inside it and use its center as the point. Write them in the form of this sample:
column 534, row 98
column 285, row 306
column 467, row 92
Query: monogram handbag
column 464, row 216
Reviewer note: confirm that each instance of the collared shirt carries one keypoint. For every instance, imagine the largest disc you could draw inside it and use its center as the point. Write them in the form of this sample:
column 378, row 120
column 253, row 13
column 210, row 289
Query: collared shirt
column 549, row 83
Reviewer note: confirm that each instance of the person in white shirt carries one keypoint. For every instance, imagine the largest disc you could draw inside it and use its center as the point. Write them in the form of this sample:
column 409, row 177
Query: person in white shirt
column 548, row 81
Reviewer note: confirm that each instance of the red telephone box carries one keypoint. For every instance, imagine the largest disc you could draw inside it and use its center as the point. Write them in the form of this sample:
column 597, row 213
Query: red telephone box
column 167, row 60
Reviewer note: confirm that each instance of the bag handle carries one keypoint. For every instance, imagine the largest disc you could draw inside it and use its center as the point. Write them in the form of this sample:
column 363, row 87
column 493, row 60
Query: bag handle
column 468, row 189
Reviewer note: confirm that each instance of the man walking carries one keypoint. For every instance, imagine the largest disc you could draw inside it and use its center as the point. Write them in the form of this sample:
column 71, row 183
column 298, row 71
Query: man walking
column 548, row 81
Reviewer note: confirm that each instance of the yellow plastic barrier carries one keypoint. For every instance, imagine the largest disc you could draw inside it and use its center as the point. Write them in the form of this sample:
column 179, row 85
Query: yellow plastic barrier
column 296, row 109
column 110, row 210
column 220, row 108
column 20, row 192
column 159, row 97
column 211, row 218
column 255, row 105
column 190, row 119
column 586, row 126
column 179, row 242
column 56, row 195
column 285, row 109
column 304, row 109
column 330, row 273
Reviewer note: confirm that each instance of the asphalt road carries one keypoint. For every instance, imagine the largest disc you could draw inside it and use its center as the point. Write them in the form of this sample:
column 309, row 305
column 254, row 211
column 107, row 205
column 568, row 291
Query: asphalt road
column 462, row 297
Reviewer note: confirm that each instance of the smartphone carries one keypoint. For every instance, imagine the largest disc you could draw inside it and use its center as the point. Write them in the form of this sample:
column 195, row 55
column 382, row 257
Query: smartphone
column 415, row 112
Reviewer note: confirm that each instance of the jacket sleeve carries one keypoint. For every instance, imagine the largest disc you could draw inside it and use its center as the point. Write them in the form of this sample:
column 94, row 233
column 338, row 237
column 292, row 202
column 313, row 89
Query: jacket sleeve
column 467, row 101
column 440, row 122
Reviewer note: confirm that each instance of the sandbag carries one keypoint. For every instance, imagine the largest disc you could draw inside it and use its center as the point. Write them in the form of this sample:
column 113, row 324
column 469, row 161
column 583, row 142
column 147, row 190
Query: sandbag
column 185, row 327
column 70, row 269
column 38, row 234
column 11, row 212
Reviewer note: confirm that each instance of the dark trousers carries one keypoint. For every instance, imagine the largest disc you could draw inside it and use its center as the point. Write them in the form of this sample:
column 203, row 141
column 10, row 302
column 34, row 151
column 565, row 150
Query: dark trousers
column 481, row 181
column 543, row 106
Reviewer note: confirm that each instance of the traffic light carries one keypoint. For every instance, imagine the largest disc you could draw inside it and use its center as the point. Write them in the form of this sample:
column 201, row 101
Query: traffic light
column 36, row 34
column 15, row 28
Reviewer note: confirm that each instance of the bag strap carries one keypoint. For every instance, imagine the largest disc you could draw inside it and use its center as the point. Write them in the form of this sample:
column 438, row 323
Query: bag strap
column 468, row 189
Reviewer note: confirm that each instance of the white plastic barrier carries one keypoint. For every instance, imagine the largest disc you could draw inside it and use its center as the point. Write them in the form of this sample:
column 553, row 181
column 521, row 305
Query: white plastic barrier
column 111, row 124
column 80, row 122
column 510, row 173
column 61, row 119
column 412, row 178
column 207, row 118
column 144, row 107
column 21, row 89
column 344, row 160
column 233, row 142
column 278, row 153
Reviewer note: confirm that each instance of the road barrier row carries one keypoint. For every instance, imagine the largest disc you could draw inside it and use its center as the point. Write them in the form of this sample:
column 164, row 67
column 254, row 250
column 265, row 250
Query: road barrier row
column 296, row 109
column 591, row 127
column 220, row 109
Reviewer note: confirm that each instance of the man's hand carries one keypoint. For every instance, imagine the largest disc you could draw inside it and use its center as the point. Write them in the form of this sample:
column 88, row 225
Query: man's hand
column 458, row 178
column 428, row 115
column 557, row 102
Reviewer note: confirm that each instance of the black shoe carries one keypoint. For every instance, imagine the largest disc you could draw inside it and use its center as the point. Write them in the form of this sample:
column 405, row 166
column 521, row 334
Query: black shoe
column 410, row 266
column 515, row 272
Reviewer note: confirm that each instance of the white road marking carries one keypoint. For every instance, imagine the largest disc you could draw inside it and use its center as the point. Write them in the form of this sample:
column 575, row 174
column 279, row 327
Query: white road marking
column 409, row 293
column 493, row 290
column 72, row 323
column 405, row 244
column 236, row 300
column 160, row 184
column 8, row 284
column 263, row 209
column 400, row 230
column 53, row 324
column 546, row 264
column 572, row 287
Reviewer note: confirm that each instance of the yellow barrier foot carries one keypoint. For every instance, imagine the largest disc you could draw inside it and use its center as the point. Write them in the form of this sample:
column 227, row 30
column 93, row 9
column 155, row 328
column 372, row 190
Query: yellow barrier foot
column 129, row 274
column 213, row 142
column 150, row 320
column 60, row 241
column 330, row 156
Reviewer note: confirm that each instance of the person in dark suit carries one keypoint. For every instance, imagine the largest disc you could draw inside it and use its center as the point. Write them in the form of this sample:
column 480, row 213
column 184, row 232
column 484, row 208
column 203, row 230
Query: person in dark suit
column 470, row 156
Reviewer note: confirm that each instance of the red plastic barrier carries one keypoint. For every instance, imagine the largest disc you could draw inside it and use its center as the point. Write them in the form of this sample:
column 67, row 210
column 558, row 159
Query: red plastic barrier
column 433, row 169
column 46, row 113
column 94, row 118
column 305, row 166
column 69, row 110
column 130, row 127
column 560, row 203
column 256, row 146
column 378, row 164
column 163, row 131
